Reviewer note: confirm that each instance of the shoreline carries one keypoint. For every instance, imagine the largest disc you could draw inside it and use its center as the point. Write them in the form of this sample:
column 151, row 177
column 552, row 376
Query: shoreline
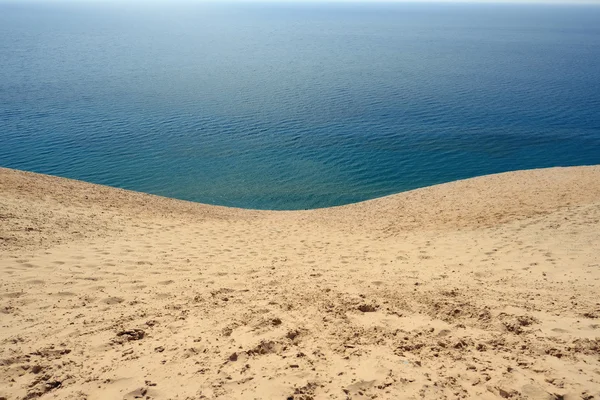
column 481, row 288
column 6, row 171
column 26, row 173
column 489, row 200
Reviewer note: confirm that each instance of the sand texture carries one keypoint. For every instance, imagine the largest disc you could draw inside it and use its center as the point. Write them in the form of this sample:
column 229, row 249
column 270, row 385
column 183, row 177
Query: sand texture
column 485, row 288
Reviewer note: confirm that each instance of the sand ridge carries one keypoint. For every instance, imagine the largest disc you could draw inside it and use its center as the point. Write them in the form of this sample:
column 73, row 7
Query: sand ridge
column 482, row 288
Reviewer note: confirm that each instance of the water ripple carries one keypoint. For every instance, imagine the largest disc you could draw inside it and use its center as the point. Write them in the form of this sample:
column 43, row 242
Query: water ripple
column 271, row 108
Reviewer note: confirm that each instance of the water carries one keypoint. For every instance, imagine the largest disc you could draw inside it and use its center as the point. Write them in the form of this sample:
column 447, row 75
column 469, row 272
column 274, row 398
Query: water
column 295, row 106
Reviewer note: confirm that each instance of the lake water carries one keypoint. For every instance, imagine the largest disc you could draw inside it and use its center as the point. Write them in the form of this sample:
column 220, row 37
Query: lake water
column 292, row 106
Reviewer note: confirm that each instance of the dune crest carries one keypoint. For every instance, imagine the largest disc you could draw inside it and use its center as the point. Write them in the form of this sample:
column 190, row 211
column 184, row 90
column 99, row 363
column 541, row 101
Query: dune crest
column 482, row 288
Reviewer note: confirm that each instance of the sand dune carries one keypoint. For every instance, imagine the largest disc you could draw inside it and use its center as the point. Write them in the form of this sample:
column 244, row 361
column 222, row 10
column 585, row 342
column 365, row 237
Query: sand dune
column 484, row 288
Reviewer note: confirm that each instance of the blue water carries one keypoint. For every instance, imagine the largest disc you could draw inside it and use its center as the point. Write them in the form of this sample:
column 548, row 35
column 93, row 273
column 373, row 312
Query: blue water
column 291, row 106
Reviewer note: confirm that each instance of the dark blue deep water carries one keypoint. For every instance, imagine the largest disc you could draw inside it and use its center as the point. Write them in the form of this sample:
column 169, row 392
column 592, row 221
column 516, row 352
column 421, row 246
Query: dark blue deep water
column 290, row 106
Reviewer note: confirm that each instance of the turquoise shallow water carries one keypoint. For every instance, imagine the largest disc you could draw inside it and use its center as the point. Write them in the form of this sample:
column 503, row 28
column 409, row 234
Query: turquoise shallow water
column 296, row 106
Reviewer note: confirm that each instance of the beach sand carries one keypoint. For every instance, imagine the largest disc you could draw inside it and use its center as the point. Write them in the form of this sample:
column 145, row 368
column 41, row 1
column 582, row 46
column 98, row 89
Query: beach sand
column 484, row 288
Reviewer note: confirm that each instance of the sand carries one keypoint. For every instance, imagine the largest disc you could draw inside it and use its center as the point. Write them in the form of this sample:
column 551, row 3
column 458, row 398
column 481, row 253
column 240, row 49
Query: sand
column 484, row 288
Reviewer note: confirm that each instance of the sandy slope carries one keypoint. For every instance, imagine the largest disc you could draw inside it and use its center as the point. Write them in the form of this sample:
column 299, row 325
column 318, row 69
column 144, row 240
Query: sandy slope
column 484, row 288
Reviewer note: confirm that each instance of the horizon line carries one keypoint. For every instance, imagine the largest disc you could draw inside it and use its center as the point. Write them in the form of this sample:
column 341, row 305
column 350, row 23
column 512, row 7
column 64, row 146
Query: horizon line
column 514, row 2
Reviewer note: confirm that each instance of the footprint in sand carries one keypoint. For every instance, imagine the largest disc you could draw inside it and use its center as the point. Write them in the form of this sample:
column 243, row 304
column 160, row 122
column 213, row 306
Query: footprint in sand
column 141, row 393
column 113, row 300
column 13, row 295
column 65, row 294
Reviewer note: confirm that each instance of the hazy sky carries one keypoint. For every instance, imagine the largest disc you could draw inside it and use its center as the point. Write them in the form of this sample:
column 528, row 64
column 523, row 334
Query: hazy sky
column 322, row 1
column 596, row 2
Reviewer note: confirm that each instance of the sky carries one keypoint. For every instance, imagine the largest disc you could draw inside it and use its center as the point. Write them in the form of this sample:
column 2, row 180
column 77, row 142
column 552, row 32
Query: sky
column 322, row 1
